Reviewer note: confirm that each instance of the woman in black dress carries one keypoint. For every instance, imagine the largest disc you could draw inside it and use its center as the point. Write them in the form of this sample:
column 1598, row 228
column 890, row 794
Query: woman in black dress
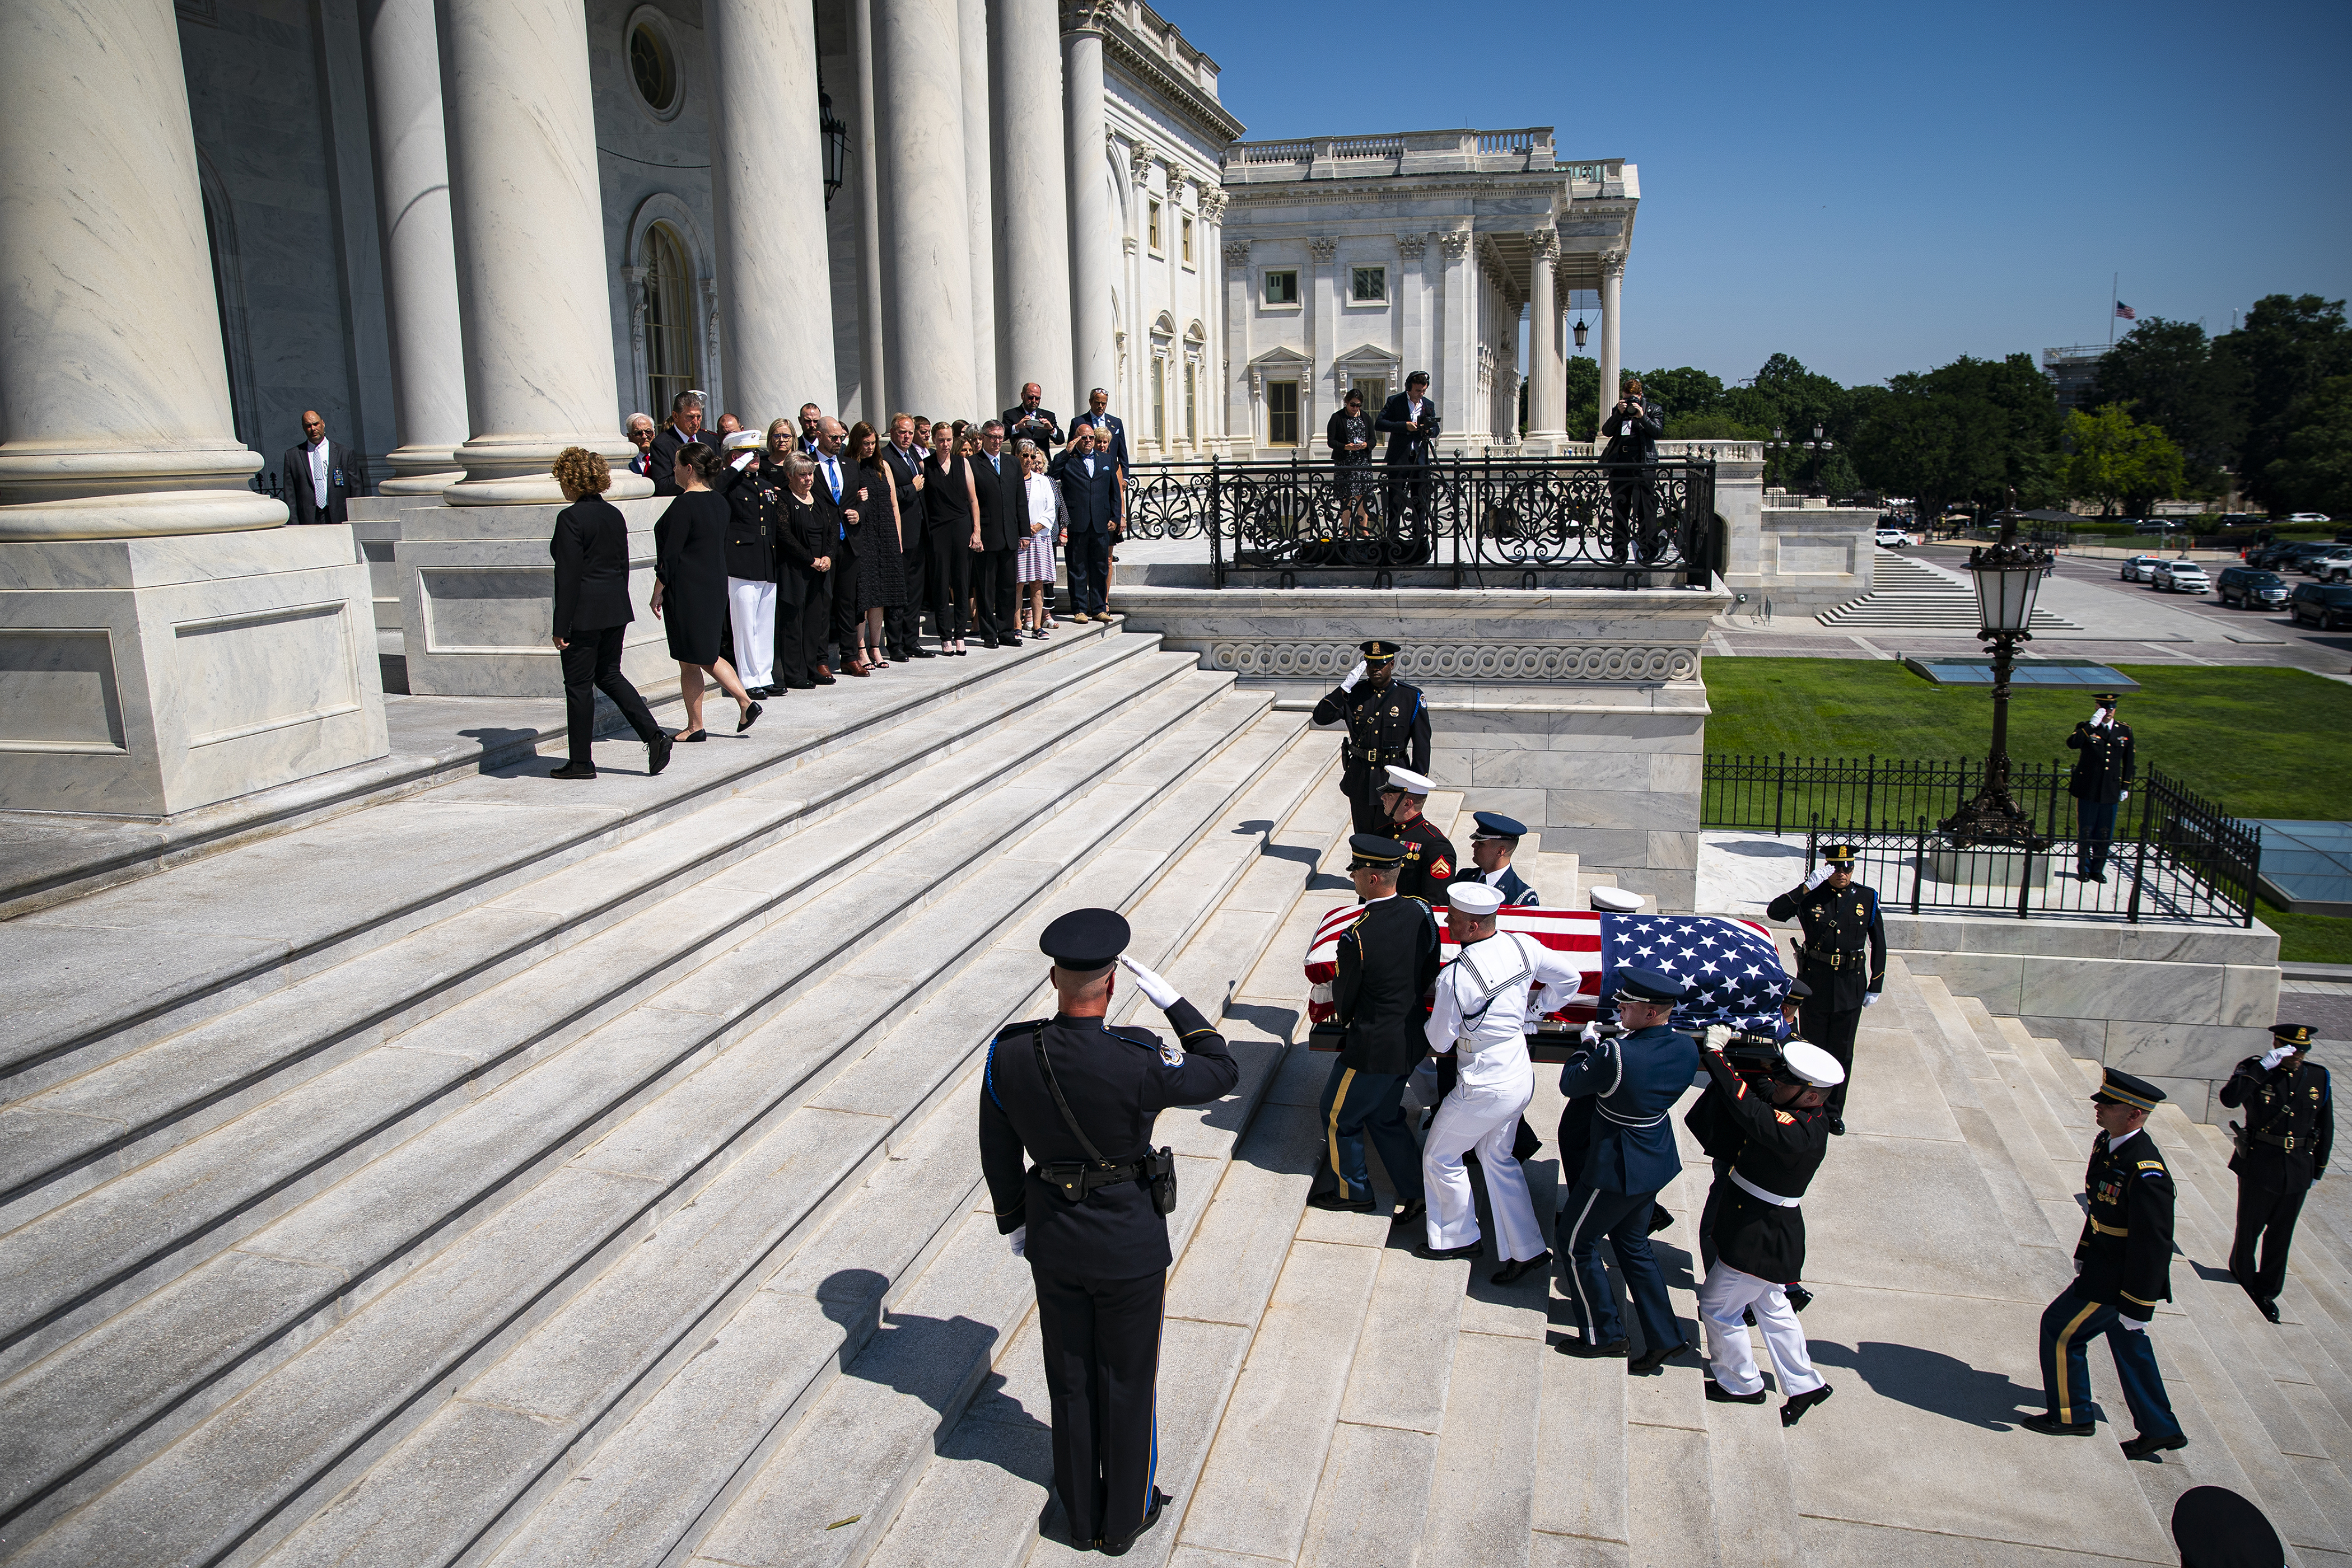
column 690, row 588
column 1350, row 436
column 951, row 507
column 808, row 530
column 881, row 576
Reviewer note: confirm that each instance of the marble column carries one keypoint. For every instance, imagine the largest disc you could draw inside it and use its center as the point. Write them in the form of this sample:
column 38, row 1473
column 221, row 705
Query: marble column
column 1033, row 281
column 1548, row 386
column 768, row 206
column 1093, row 240
column 873, row 391
column 420, row 261
column 1456, row 372
column 530, row 228
column 1613, row 278
column 980, row 205
column 112, row 382
column 925, row 239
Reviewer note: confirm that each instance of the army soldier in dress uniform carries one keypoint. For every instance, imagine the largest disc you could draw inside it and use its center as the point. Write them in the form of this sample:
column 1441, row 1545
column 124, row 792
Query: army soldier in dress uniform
column 1386, row 963
column 2282, row 1149
column 1078, row 1096
column 1492, row 843
column 1842, row 960
column 2123, row 1268
column 1430, row 861
column 1635, row 1080
column 1388, row 722
column 2102, row 779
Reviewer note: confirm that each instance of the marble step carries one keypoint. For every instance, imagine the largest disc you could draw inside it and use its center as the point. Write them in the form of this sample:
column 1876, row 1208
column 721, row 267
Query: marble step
column 252, row 920
column 855, row 1446
column 779, row 840
column 390, row 1222
column 208, row 1186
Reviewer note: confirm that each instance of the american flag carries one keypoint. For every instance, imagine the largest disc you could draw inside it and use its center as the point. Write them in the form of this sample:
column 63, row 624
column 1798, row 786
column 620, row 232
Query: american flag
column 2125, row 312
column 1733, row 964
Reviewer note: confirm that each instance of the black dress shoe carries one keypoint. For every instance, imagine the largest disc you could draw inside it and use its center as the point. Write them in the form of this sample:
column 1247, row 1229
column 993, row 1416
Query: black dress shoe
column 921, row 653
column 1338, row 1204
column 2149, row 1447
column 1516, row 1267
column 1794, row 1410
column 1747, row 1316
column 1422, row 1249
column 689, row 740
column 1837, row 1126
column 1660, row 1217
column 2267, row 1307
column 1718, row 1394
column 1799, row 1298
column 1584, row 1350
column 574, row 770
column 657, row 750
column 824, row 680
column 1119, row 1548
column 1409, row 1213
column 1651, row 1361
column 2048, row 1425
column 751, row 717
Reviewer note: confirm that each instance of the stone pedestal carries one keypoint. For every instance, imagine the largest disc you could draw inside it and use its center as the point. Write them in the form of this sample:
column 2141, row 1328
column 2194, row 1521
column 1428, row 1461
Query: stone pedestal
column 144, row 677
column 478, row 600
column 1989, row 867
column 1582, row 712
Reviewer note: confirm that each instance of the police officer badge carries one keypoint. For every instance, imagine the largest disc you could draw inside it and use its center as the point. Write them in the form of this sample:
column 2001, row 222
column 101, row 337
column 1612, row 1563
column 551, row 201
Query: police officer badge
column 1172, row 1053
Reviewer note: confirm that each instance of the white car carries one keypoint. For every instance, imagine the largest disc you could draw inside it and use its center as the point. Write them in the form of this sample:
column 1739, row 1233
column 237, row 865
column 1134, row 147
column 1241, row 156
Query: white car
column 2307, row 517
column 1892, row 539
column 2180, row 577
column 2335, row 566
column 2137, row 568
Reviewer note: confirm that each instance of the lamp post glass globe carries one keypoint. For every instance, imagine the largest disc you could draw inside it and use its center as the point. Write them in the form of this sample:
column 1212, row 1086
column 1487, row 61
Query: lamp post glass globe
column 2007, row 575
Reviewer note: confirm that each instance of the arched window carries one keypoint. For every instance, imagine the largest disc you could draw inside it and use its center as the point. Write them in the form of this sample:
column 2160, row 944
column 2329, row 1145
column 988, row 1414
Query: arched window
column 672, row 366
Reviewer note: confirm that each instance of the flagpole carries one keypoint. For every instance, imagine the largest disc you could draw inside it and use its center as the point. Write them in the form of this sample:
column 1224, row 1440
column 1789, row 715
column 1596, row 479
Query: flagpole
column 2115, row 294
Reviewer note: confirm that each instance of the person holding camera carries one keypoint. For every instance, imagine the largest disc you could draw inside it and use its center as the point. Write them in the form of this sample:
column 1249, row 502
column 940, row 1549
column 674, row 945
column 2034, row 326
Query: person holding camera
column 1842, row 960
column 1409, row 419
column 1763, row 1121
column 2283, row 1148
column 1077, row 1097
column 1634, row 427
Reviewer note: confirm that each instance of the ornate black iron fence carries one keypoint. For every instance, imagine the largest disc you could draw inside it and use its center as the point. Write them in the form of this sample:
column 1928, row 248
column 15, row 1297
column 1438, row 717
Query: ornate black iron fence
column 1466, row 517
column 1787, row 794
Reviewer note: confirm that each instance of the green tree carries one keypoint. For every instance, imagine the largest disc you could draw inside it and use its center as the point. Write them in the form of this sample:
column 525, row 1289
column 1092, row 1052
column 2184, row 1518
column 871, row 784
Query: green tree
column 2313, row 472
column 2116, row 458
column 2167, row 374
column 2289, row 345
column 1685, row 393
column 1966, row 432
column 1583, row 397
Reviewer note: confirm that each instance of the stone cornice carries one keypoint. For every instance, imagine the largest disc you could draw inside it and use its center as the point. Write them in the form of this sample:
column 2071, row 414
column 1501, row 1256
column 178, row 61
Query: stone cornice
column 1138, row 60
column 1371, row 192
column 1645, row 664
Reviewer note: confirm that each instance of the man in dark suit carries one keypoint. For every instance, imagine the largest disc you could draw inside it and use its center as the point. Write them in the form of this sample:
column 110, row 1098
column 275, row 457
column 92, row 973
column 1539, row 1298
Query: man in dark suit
column 997, row 479
column 902, row 627
column 640, row 433
column 1099, row 417
column 1026, row 421
column 812, row 429
column 318, row 476
column 590, row 551
column 845, row 485
column 1410, row 421
column 685, row 426
column 1091, row 489
column 1634, row 427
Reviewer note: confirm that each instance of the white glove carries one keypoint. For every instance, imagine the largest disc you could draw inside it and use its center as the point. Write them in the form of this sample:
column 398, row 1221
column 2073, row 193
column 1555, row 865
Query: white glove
column 1156, row 991
column 1355, row 675
column 1590, row 1033
column 2098, row 716
column 2126, row 796
column 1870, row 998
column 1821, row 873
column 1019, row 1241
column 2137, row 1325
column 2274, row 1055
column 1718, row 1037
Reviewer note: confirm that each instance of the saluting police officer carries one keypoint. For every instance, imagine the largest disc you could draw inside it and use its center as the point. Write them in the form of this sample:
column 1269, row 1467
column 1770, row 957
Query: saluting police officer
column 1388, row 959
column 1842, row 960
column 1429, row 858
column 2283, row 1148
column 1493, row 842
column 2123, row 1268
column 1388, row 722
column 1078, row 1098
column 1634, row 1081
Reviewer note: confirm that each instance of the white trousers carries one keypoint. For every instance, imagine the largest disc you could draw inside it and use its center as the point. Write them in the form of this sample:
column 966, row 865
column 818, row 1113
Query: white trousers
column 753, row 606
column 1723, row 1297
column 1486, row 1119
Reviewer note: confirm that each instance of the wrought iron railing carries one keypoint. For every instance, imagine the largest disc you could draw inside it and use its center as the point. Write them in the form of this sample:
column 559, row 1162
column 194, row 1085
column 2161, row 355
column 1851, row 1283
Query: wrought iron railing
column 2176, row 855
column 1471, row 517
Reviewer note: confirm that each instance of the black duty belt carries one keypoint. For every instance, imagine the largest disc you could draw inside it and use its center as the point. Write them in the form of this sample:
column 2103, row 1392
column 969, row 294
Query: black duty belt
column 1834, row 957
column 2277, row 1141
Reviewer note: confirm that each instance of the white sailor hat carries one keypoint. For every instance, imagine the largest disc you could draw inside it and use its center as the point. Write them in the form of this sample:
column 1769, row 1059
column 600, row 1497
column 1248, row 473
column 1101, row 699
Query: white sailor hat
column 1473, row 897
column 1615, row 900
column 1406, row 780
column 1808, row 1062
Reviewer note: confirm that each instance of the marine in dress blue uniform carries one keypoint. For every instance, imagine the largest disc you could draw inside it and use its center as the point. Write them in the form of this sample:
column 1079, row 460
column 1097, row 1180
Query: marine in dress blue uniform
column 2123, row 1268
column 1633, row 1081
column 1842, row 960
column 2283, row 1148
column 1387, row 723
column 1494, row 839
column 1078, row 1097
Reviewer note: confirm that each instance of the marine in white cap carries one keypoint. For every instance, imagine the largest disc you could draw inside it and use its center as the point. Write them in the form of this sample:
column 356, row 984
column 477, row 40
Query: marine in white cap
column 1430, row 861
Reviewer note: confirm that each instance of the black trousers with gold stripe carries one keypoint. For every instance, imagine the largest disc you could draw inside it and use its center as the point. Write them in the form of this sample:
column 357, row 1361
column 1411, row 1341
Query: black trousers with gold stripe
column 2069, row 1324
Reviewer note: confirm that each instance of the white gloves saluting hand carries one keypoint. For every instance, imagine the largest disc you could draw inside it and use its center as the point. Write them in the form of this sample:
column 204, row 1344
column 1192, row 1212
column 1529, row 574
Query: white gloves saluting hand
column 2272, row 1056
column 1355, row 675
column 1156, row 991
column 1821, row 873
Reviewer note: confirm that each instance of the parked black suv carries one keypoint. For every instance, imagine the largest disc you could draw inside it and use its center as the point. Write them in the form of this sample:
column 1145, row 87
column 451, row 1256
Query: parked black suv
column 2250, row 588
column 2322, row 604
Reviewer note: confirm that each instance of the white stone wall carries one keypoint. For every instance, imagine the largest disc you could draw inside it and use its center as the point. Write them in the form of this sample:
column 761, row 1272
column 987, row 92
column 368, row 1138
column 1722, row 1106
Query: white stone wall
column 1165, row 307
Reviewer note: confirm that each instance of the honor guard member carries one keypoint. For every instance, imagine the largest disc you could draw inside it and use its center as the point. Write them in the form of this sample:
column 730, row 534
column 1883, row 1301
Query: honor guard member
column 2215, row 1527
column 1077, row 1097
column 2283, row 1148
column 1386, row 963
column 1429, row 858
column 1842, row 960
column 2123, row 1268
column 1775, row 1130
column 1635, row 1080
column 1492, row 843
column 1388, row 722
column 2100, row 783
column 1480, row 1017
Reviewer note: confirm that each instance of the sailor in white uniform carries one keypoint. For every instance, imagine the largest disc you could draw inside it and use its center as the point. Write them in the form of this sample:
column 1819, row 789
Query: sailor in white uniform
column 1481, row 1015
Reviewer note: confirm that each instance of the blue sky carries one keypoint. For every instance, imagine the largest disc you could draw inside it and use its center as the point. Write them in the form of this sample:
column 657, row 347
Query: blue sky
column 1881, row 188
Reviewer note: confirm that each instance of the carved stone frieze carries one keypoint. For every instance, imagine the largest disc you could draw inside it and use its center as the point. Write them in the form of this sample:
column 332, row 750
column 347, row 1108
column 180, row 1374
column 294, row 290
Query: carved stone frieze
column 1555, row 662
column 1322, row 250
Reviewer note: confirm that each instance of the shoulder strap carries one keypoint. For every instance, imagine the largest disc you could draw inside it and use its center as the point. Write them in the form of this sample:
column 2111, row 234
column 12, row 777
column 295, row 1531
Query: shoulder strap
column 1046, row 1067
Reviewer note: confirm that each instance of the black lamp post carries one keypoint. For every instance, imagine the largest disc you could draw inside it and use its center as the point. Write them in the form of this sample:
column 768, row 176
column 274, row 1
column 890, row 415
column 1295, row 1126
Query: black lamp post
column 2008, row 574
column 833, row 138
